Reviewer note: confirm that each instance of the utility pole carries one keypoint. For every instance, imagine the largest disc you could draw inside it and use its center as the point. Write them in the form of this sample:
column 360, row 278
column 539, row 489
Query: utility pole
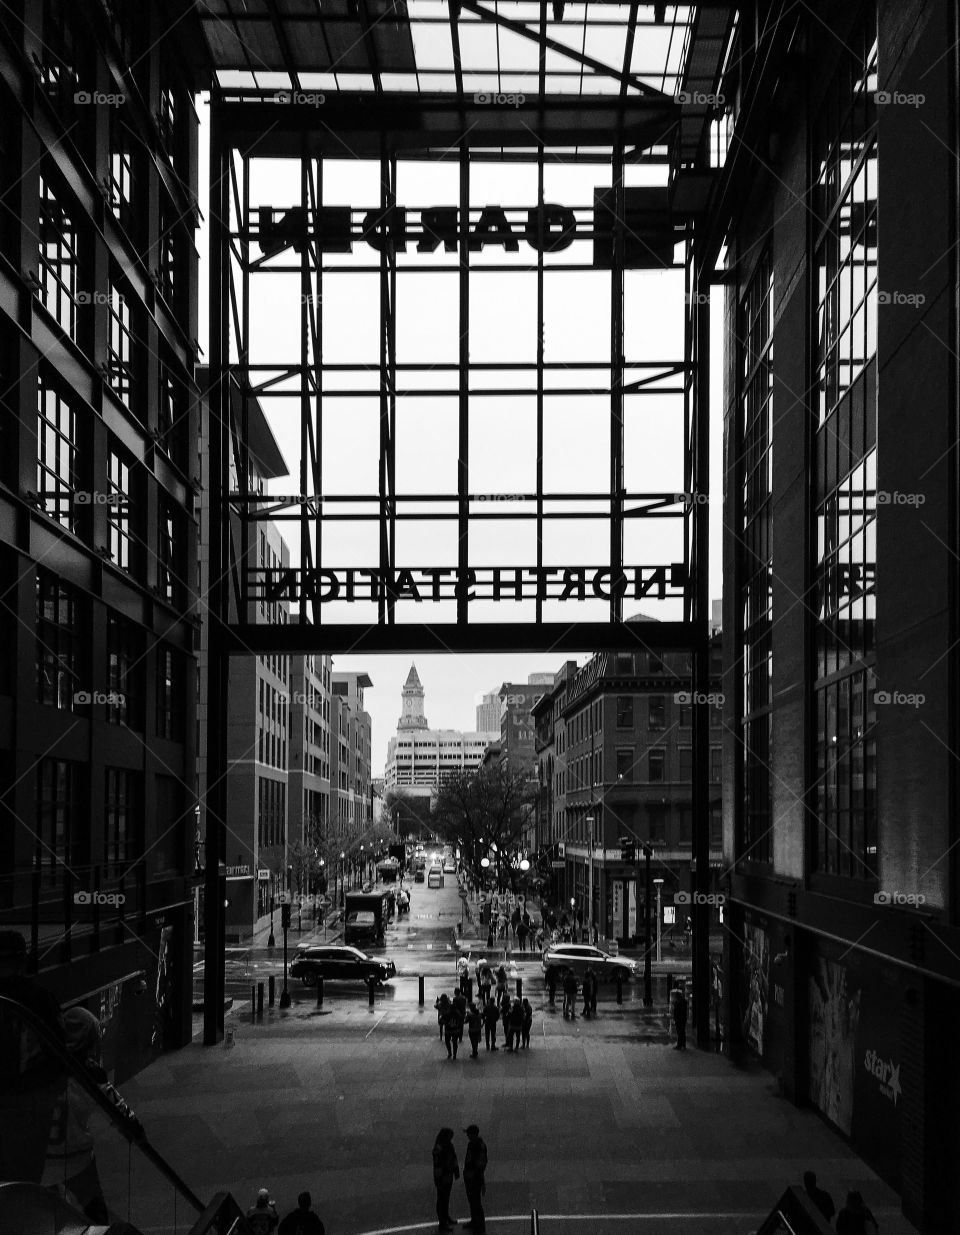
column 647, row 978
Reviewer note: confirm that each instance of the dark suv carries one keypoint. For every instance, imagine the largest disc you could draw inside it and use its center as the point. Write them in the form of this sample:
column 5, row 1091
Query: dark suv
column 338, row 963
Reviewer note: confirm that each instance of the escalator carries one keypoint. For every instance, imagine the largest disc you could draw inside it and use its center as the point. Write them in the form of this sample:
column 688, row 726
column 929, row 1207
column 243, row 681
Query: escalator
column 74, row 1159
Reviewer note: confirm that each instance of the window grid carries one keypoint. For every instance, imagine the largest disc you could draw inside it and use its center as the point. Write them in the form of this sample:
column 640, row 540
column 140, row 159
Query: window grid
column 56, row 785
column 120, row 358
column 58, row 644
column 56, row 456
column 58, row 260
column 117, row 848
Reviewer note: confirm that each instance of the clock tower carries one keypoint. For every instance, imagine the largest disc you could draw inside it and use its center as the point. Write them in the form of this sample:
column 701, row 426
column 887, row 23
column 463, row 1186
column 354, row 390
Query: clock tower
column 412, row 716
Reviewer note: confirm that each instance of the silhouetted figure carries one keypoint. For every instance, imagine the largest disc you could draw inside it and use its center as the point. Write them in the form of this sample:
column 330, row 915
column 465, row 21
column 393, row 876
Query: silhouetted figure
column 474, row 1029
column 445, row 1170
column 527, row 1023
column 474, row 1177
column 822, row 1199
column 262, row 1216
column 302, row 1220
column 570, row 994
column 855, row 1218
column 680, row 1020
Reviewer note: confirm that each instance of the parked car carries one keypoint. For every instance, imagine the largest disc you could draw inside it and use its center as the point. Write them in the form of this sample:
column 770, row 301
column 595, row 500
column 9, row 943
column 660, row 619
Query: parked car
column 561, row 957
column 418, row 875
column 435, row 878
column 339, row 963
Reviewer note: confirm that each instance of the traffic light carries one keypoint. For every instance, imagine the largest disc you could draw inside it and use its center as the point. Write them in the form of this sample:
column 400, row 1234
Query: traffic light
column 285, row 916
column 628, row 851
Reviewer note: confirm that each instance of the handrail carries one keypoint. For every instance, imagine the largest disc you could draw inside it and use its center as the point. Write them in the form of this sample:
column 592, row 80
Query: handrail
column 129, row 1127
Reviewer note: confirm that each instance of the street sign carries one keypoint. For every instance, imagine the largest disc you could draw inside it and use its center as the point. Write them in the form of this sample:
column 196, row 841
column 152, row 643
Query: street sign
column 324, row 902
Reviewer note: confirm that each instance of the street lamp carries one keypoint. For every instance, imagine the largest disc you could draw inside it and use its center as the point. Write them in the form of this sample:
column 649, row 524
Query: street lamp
column 342, row 876
column 658, row 883
column 590, row 822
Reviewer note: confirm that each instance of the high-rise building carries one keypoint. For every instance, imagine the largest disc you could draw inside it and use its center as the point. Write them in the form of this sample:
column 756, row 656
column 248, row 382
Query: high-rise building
column 488, row 713
column 412, row 716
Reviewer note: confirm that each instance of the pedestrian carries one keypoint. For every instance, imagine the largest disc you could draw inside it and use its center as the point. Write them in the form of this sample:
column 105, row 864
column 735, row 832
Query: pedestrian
column 474, row 1027
column 302, row 1220
column 680, row 1019
column 453, row 1030
column 515, row 920
column 822, row 1199
column 459, row 1001
column 570, row 994
column 552, row 985
column 538, row 939
column 854, row 1218
column 486, row 983
column 515, row 1026
column 443, row 1007
column 446, row 1169
column 501, row 982
column 505, row 1006
column 527, row 1023
column 490, row 1018
column 463, row 972
column 588, row 980
column 474, row 1177
column 522, row 932
column 594, row 990
column 262, row 1216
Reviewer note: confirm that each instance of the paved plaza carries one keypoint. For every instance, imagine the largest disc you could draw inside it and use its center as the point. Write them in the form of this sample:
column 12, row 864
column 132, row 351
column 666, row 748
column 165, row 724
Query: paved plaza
column 600, row 1126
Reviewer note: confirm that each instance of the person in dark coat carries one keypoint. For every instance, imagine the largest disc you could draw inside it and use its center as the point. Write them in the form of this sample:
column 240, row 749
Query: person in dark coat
column 570, row 994
column 589, row 989
column 486, row 983
column 474, row 1177
column 855, row 1218
column 474, row 1029
column 490, row 1019
column 446, row 1169
column 442, row 1006
column 505, row 1006
column 522, row 932
column 302, row 1220
column 515, row 1026
column 452, row 1030
column 822, row 1199
column 680, row 1019
column 527, row 1023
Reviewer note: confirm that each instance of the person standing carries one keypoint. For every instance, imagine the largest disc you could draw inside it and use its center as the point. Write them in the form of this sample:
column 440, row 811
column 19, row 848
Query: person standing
column 680, row 1019
column 501, row 983
column 262, row 1216
column 588, row 980
column 522, row 931
column 446, row 1169
column 443, row 1007
column 527, row 1023
column 854, row 1218
column 453, row 1030
column 474, row 1027
column 821, row 1198
column 485, row 984
column 490, row 1018
column 516, row 1026
column 302, row 1220
column 474, row 1177
column 570, row 993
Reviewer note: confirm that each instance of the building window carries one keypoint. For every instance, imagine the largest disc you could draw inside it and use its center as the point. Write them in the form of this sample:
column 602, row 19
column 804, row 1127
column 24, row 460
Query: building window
column 56, row 804
column 756, row 588
column 59, row 68
column 656, row 759
column 120, row 353
column 625, row 763
column 168, row 246
column 58, row 260
column 122, row 172
column 119, row 507
column 845, row 142
column 173, row 417
column 170, row 695
column 167, row 120
column 170, row 553
column 657, row 822
column 685, row 716
column 171, row 814
column 58, row 644
column 623, row 662
column 124, row 672
column 686, row 764
column 656, row 718
column 624, row 711
column 120, row 807
column 56, row 456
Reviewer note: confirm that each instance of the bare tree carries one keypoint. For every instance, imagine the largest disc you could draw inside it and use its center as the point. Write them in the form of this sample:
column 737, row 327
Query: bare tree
column 484, row 812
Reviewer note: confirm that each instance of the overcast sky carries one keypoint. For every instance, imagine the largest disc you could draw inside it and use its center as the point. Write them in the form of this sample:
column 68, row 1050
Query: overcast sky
column 502, row 428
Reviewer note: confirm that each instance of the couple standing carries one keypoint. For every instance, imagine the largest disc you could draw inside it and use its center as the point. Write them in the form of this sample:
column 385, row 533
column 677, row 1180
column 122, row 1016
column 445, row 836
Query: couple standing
column 446, row 1169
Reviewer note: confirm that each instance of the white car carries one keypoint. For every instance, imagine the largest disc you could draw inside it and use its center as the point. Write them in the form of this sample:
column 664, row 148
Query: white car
column 559, row 958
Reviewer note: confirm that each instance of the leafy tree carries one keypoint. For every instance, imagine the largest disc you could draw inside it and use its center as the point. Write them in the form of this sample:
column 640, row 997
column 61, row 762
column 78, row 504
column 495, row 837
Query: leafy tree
column 409, row 815
column 484, row 811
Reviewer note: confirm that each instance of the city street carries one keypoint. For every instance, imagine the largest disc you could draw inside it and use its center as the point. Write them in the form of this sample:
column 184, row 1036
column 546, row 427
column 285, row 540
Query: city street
column 601, row 1126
